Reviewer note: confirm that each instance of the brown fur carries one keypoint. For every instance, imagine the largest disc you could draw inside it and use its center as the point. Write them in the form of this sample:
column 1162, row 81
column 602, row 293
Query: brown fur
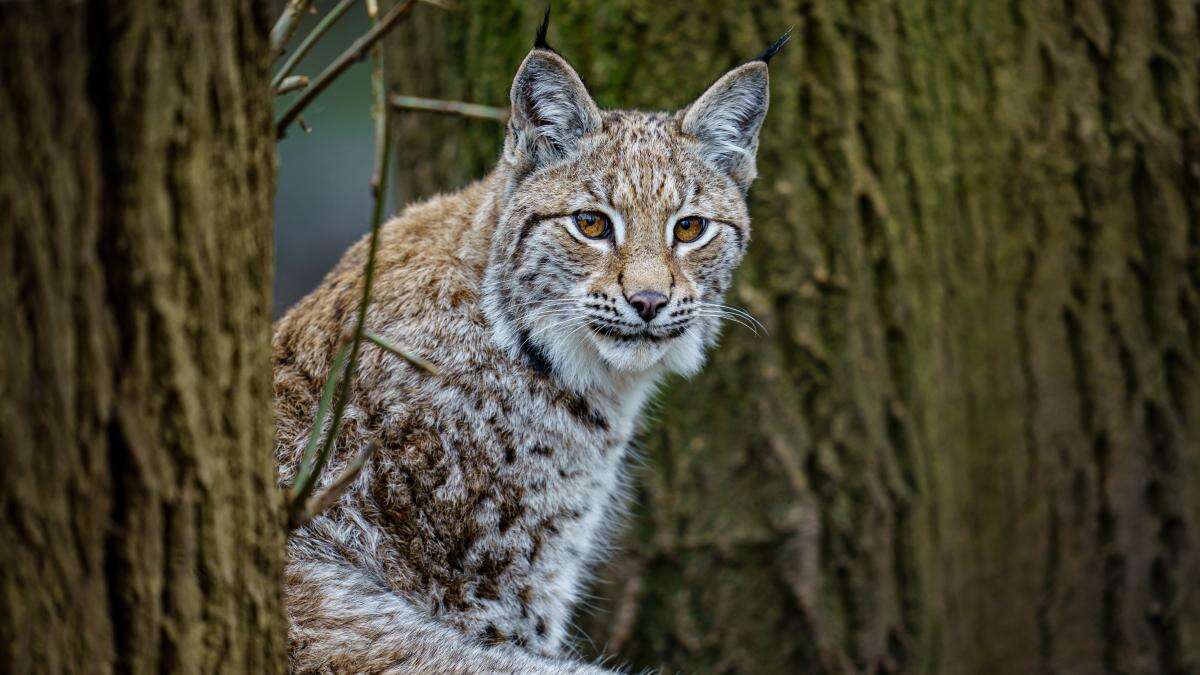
column 463, row 544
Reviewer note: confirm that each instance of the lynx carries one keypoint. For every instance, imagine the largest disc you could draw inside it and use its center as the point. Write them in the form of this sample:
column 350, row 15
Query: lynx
column 552, row 295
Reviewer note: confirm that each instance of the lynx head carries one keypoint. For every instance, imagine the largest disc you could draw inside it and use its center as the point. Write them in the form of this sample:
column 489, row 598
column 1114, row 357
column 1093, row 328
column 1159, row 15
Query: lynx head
column 619, row 231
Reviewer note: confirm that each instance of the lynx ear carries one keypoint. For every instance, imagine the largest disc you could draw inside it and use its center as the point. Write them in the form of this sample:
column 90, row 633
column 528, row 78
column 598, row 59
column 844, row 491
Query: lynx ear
column 551, row 111
column 726, row 118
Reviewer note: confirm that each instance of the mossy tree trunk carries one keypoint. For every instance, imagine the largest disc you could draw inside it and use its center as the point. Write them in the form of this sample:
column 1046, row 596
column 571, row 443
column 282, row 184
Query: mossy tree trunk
column 141, row 527
column 970, row 442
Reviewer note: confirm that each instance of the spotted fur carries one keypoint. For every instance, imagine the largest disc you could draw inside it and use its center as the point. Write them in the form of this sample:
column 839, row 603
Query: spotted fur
column 464, row 544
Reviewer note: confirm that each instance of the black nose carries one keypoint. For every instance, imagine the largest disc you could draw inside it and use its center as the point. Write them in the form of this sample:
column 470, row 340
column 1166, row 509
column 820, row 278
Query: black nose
column 647, row 303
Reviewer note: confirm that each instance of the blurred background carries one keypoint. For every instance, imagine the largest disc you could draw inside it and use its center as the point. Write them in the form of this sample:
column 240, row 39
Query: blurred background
column 970, row 441
column 323, row 202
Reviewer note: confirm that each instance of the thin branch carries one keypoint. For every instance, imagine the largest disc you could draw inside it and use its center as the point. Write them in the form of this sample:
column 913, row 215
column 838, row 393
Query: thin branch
column 291, row 83
column 305, row 476
column 403, row 353
column 285, row 27
column 304, row 490
column 355, row 53
column 334, row 491
column 378, row 114
column 318, row 31
column 484, row 112
column 373, row 6
column 447, row 5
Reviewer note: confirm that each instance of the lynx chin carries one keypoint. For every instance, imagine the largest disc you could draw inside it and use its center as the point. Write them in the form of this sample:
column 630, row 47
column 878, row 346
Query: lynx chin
column 552, row 295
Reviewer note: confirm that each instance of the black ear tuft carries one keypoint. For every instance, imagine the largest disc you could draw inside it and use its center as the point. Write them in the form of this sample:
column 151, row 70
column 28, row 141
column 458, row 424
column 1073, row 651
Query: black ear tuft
column 539, row 42
column 765, row 57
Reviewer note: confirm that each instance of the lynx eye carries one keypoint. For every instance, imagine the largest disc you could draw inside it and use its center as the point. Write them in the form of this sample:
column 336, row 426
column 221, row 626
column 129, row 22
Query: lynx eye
column 689, row 228
column 593, row 225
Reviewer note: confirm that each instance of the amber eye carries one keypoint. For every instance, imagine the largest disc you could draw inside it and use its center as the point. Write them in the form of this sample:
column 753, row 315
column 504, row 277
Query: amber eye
column 690, row 228
column 593, row 225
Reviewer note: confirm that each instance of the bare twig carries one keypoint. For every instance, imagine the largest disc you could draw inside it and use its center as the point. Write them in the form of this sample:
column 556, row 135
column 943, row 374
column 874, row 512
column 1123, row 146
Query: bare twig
column 373, row 6
column 334, row 491
column 378, row 114
column 356, row 52
column 287, row 23
column 291, row 83
column 402, row 352
column 485, row 112
column 322, row 27
column 304, row 472
column 303, row 489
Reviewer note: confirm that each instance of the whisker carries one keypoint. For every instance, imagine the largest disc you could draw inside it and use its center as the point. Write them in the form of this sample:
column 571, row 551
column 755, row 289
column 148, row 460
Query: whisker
column 719, row 312
column 567, row 329
column 743, row 313
column 545, row 306
column 552, row 301
column 736, row 310
column 729, row 316
column 731, row 308
column 546, row 328
column 564, row 324
column 539, row 314
column 557, row 322
column 551, row 306
column 718, row 305
column 559, row 306
column 582, row 324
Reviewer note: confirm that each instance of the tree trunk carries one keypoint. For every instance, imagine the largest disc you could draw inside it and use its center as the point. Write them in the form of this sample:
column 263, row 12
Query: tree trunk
column 970, row 442
column 141, row 529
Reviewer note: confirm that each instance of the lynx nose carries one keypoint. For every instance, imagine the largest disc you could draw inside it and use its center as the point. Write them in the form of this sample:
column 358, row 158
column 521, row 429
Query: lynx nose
column 647, row 303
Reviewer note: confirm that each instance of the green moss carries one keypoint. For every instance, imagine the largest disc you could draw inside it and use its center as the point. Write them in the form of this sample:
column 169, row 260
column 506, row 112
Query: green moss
column 898, row 477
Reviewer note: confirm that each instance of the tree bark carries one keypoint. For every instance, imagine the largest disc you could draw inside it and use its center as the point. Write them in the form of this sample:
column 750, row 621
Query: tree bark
column 142, row 530
column 970, row 442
